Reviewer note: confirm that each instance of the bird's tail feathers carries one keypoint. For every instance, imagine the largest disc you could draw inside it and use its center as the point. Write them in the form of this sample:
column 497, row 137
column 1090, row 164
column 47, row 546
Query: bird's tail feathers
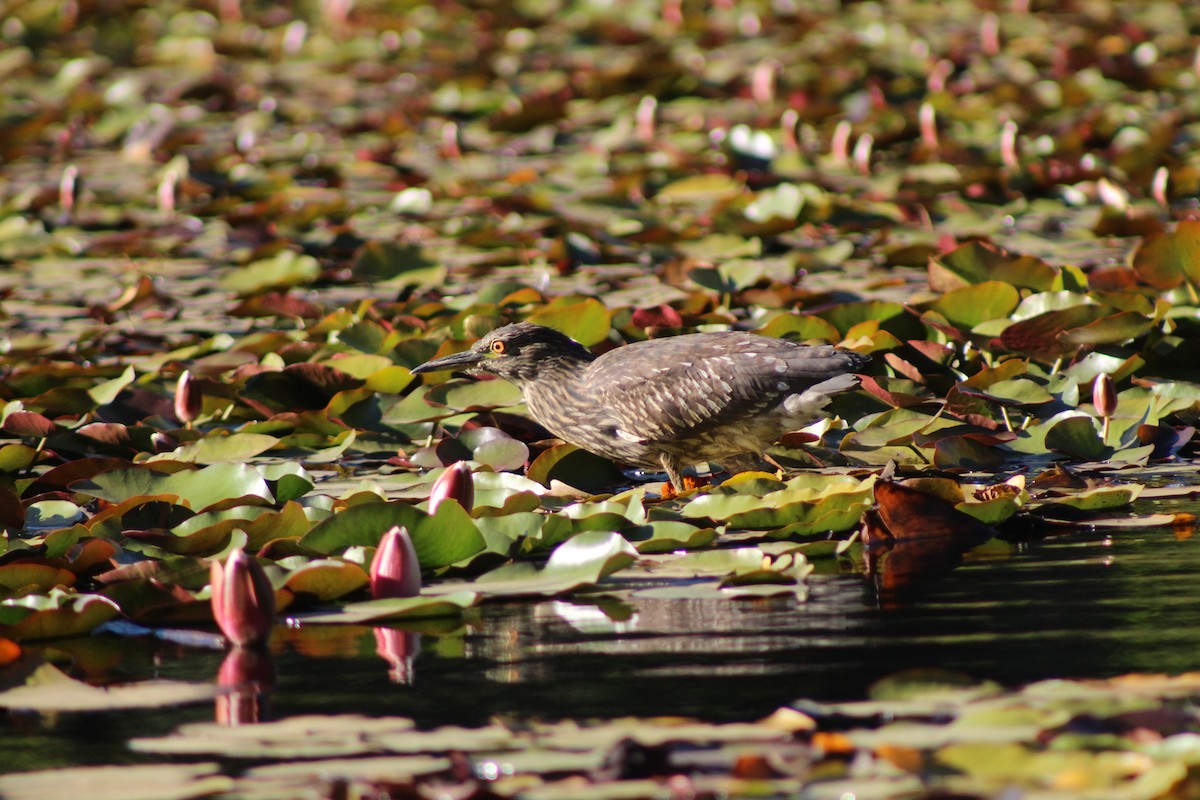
column 808, row 404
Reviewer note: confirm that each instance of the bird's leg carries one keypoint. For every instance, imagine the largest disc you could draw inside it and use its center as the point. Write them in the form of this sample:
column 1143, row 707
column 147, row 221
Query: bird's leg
column 677, row 483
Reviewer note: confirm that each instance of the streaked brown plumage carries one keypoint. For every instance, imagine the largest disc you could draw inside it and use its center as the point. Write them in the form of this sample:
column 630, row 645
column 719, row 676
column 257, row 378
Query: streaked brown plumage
column 665, row 403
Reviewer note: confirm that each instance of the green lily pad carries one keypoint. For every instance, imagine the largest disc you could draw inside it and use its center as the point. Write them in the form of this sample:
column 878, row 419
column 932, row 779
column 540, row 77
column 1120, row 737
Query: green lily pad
column 586, row 321
column 446, row 537
column 56, row 615
column 968, row 306
column 218, row 447
column 327, row 579
column 582, row 560
column 977, row 262
column 33, row 577
column 1097, row 499
column 1077, row 436
column 424, row 606
column 700, row 189
column 1166, row 260
column 196, row 489
column 281, row 271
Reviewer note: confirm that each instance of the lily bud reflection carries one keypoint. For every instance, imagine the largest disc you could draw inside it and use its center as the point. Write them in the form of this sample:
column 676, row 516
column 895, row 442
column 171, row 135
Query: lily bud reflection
column 399, row 649
column 246, row 677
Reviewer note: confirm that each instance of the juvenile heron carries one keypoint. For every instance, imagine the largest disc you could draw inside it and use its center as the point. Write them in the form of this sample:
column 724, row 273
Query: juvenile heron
column 665, row 403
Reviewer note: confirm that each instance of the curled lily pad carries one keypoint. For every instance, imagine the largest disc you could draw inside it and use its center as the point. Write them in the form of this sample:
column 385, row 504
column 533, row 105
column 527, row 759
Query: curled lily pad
column 835, row 503
column 495, row 448
column 196, row 489
column 443, row 604
column 583, row 560
column 327, row 579
column 976, row 262
column 55, row 615
column 27, row 577
column 1166, row 260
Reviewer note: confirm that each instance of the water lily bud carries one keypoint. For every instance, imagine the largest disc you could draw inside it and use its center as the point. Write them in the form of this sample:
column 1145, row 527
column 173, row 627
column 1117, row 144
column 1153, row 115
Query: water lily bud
column 188, row 398
column 456, row 483
column 839, row 145
column 68, row 190
column 243, row 602
column 927, row 122
column 989, row 34
column 449, row 146
column 395, row 570
column 646, row 118
column 1008, row 145
column 1104, row 396
column 862, row 153
column 1158, row 187
column 762, row 81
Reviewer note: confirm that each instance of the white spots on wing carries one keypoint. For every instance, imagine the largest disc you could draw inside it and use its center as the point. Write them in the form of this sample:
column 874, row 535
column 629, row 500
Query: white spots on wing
column 685, row 364
column 781, row 368
column 782, row 386
column 629, row 437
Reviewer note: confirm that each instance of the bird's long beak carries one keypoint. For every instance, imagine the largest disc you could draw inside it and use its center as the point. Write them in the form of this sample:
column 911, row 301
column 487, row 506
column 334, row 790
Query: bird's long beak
column 467, row 358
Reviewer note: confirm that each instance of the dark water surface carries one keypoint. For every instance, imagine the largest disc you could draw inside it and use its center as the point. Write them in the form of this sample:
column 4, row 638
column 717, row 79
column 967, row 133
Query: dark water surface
column 1087, row 604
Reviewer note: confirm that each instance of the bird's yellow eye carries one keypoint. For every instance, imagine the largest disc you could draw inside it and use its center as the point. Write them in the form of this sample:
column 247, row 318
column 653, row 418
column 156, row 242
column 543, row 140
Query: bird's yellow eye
column 498, row 347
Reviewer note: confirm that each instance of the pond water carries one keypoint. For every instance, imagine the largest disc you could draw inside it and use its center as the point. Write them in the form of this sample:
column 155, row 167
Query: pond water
column 1083, row 604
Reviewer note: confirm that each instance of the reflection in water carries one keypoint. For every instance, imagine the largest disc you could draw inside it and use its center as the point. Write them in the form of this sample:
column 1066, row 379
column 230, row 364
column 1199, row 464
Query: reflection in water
column 398, row 648
column 1071, row 606
column 246, row 677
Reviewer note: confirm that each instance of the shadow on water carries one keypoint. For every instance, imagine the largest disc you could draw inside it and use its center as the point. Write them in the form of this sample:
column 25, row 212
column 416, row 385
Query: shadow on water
column 1084, row 605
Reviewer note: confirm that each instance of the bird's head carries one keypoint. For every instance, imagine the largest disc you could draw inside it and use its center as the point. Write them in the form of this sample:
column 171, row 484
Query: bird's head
column 520, row 353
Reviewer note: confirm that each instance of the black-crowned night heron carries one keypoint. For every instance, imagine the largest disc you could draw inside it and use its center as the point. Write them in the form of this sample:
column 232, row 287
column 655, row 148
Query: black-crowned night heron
column 665, row 403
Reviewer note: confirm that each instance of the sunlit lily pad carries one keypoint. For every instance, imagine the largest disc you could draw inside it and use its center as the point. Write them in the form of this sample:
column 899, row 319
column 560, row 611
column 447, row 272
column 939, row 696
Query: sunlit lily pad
column 442, row 604
column 197, row 489
column 48, row 689
column 583, row 560
column 55, row 615
column 124, row 782
column 444, row 538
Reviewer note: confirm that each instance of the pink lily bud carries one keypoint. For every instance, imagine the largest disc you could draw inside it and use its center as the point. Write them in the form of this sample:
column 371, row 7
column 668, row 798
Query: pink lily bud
column 395, row 570
column 455, row 483
column 1008, row 145
column 243, row 602
column 1104, row 397
column 646, row 118
column 188, row 399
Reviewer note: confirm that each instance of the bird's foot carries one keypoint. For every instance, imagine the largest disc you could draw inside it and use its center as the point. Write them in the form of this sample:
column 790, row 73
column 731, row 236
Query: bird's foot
column 689, row 483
